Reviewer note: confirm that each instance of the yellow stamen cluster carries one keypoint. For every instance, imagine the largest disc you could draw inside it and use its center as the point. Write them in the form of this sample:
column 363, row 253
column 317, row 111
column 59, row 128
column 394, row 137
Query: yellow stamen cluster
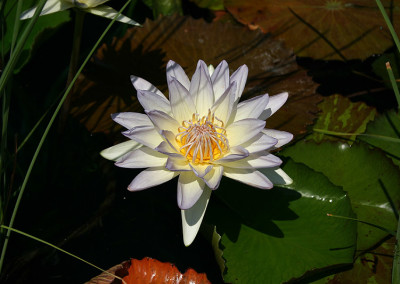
column 202, row 140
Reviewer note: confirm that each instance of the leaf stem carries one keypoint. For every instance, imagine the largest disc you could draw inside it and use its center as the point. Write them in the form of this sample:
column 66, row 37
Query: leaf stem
column 394, row 84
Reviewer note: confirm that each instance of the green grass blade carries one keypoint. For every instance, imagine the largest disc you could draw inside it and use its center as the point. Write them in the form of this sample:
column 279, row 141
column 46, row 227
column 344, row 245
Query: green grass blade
column 16, row 25
column 9, row 69
column 389, row 24
column 25, row 181
column 394, row 84
column 57, row 248
column 328, row 132
column 396, row 260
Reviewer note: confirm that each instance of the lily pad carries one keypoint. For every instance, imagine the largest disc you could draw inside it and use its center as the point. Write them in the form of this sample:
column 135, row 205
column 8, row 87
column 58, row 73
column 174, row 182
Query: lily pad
column 386, row 125
column 339, row 114
column 265, row 233
column 370, row 178
column 322, row 29
column 105, row 87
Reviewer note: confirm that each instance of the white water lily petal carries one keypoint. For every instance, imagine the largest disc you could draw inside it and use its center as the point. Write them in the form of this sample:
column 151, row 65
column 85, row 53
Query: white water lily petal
column 222, row 108
column 275, row 103
column 152, row 101
column 192, row 217
column 210, row 69
column 182, row 104
column 115, row 152
column 260, row 142
column 163, row 121
column 51, row 6
column 235, row 153
column 283, row 137
column 200, row 170
column 220, row 79
column 90, row 3
column 143, row 157
column 243, row 130
column 213, row 178
column 142, row 84
column 177, row 164
column 110, row 13
column 240, row 77
column 170, row 138
column 201, row 89
column 249, row 176
column 165, row 148
column 277, row 176
column 251, row 108
column 174, row 70
column 146, row 135
column 151, row 177
column 190, row 188
column 130, row 120
column 254, row 161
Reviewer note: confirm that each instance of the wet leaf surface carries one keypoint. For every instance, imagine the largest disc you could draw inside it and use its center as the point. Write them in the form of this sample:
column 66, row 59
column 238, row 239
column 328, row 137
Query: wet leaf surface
column 105, row 87
column 321, row 29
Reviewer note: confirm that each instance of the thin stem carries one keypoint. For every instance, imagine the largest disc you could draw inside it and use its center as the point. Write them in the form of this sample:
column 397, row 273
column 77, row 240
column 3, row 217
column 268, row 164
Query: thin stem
column 28, row 173
column 389, row 24
column 386, row 138
column 394, row 84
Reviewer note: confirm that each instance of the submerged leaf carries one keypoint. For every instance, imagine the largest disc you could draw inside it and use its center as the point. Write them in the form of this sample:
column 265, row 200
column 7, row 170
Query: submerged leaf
column 322, row 29
column 265, row 233
column 369, row 177
column 105, row 87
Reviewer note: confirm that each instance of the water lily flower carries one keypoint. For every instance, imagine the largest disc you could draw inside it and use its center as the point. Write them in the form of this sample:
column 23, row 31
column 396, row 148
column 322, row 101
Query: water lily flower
column 200, row 134
column 95, row 7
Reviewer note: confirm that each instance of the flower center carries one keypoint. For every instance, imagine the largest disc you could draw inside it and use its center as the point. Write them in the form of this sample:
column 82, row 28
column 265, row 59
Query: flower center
column 202, row 140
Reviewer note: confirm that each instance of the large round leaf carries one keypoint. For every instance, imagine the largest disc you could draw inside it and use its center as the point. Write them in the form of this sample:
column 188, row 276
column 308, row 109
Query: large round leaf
column 369, row 177
column 276, row 235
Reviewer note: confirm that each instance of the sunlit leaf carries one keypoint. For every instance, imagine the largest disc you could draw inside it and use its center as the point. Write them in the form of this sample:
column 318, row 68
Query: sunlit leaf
column 266, row 232
column 369, row 177
column 386, row 124
column 319, row 28
column 339, row 114
column 105, row 87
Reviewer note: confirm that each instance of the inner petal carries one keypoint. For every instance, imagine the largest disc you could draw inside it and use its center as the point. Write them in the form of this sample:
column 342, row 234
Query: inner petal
column 202, row 140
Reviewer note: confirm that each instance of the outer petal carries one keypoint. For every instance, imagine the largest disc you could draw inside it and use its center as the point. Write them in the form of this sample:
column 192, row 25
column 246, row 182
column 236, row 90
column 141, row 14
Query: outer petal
column 249, row 176
column 190, row 188
column 240, row 77
column 176, row 164
column 51, row 6
column 152, row 101
column 275, row 103
column 143, row 157
column 142, row 84
column 110, row 13
column 117, row 151
column 201, row 89
column 191, row 218
column 243, row 130
column 252, row 108
column 167, row 149
column 283, row 137
column 222, row 108
column 200, row 170
column 174, row 70
column 163, row 121
column 131, row 119
column 182, row 104
column 214, row 176
column 151, row 177
column 258, row 160
column 220, row 79
column 91, row 3
column 235, row 153
column 259, row 143
column 277, row 176
column 147, row 135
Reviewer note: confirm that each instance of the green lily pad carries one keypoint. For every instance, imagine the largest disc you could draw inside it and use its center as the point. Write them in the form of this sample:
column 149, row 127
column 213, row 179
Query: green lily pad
column 43, row 29
column 369, row 177
column 387, row 125
column 266, row 232
column 339, row 114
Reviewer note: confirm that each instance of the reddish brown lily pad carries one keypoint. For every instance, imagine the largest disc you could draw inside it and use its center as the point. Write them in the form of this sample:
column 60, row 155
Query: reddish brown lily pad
column 149, row 271
column 323, row 29
column 105, row 87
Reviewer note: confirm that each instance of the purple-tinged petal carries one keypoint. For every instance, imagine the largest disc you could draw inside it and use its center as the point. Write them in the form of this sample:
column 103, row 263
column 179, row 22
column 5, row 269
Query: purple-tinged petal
column 192, row 217
column 200, row 170
column 143, row 157
column 234, row 154
column 151, row 101
column 213, row 178
column 250, row 177
column 130, row 120
column 251, row 108
column 163, row 121
column 283, row 137
column 222, row 108
column 190, row 188
column 165, row 148
column 151, row 177
column 277, row 176
column 254, row 161
column 260, row 142
column 182, row 105
column 201, row 89
column 220, row 79
column 275, row 103
column 142, row 84
column 240, row 77
column 243, row 130
column 147, row 135
column 177, row 164
column 174, row 70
